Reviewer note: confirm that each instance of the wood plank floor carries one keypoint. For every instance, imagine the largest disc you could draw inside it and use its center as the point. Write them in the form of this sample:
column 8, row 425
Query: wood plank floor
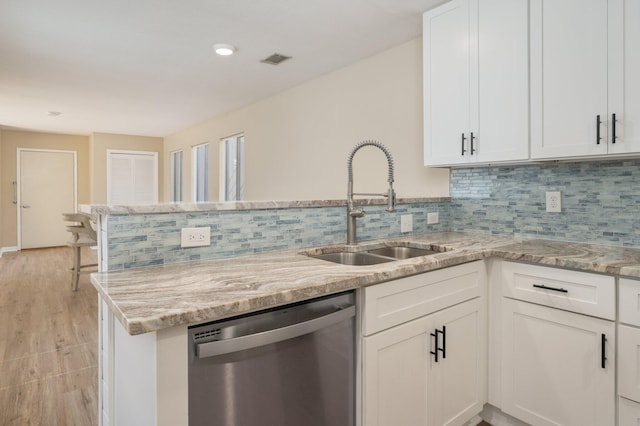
column 48, row 340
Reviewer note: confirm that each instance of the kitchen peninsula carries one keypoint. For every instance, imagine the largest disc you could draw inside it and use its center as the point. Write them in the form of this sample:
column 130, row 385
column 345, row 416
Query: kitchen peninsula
column 146, row 310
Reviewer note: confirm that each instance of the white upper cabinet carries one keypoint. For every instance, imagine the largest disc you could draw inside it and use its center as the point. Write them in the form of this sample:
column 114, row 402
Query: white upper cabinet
column 624, row 75
column 447, row 79
column 585, row 77
column 476, row 99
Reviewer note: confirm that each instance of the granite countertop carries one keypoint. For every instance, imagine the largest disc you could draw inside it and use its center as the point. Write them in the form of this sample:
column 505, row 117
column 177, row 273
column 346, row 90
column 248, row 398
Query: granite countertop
column 156, row 297
column 108, row 209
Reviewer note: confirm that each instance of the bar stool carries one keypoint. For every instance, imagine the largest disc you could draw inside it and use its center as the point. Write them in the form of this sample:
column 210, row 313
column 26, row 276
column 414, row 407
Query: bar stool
column 83, row 236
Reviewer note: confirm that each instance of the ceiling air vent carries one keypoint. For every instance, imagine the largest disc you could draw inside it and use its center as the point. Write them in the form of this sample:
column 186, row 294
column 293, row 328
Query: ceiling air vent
column 275, row 59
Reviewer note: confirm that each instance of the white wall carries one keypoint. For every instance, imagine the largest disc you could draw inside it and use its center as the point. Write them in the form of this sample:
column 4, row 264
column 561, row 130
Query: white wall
column 297, row 141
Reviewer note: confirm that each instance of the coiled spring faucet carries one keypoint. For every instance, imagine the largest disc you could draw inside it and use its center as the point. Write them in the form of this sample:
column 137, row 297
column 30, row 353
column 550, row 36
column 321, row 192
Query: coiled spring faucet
column 352, row 212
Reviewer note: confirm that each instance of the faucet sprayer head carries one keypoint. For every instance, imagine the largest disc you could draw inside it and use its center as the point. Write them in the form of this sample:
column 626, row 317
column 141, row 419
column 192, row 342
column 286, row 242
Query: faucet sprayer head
column 391, row 199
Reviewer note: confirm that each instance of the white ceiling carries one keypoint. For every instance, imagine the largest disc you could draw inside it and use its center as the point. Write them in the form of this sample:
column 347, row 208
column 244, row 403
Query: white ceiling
column 147, row 67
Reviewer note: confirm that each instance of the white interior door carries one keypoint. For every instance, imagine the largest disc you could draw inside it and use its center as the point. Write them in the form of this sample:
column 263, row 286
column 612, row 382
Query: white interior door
column 132, row 177
column 47, row 190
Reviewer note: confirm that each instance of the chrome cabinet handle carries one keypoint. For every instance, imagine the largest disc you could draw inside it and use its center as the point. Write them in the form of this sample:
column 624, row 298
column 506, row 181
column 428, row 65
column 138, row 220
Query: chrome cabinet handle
column 598, row 122
column 603, row 354
column 26, row 206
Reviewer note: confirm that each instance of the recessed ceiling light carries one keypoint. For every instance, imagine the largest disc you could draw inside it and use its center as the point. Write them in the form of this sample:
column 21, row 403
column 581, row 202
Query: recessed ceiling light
column 53, row 113
column 224, row 49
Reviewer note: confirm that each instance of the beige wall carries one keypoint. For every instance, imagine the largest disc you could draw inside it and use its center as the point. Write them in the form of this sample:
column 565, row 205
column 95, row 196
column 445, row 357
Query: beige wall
column 101, row 142
column 10, row 141
column 297, row 142
column 3, row 190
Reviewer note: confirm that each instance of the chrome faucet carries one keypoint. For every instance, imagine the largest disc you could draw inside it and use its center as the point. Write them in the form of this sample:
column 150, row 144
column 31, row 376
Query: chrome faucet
column 352, row 212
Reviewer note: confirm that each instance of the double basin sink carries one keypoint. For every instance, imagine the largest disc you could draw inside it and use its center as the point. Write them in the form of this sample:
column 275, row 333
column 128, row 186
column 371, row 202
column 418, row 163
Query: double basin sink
column 374, row 256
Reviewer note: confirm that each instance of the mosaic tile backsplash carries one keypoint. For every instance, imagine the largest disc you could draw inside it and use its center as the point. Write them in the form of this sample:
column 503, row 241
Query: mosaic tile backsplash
column 152, row 239
column 600, row 201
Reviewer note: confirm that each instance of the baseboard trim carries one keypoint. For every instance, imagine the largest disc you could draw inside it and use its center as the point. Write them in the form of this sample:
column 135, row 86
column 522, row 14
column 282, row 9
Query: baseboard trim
column 8, row 249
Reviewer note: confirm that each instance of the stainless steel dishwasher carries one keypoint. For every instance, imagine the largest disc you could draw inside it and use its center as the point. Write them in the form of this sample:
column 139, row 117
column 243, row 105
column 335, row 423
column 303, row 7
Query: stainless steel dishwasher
column 290, row 366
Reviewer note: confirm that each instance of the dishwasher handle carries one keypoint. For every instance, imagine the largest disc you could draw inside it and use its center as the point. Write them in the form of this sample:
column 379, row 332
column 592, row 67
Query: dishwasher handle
column 222, row 347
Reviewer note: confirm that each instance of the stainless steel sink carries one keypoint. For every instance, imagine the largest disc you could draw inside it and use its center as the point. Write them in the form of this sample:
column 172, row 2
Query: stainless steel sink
column 354, row 259
column 372, row 256
column 402, row 252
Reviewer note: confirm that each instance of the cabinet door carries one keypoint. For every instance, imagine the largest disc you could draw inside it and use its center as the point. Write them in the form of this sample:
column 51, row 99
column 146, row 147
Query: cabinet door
column 503, row 81
column 629, row 412
column 457, row 382
column 476, row 69
column 395, row 375
column 448, row 49
column 624, row 75
column 568, row 77
column 552, row 366
column 629, row 362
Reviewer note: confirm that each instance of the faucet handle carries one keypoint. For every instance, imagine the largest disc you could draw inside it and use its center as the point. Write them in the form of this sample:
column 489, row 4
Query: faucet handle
column 357, row 213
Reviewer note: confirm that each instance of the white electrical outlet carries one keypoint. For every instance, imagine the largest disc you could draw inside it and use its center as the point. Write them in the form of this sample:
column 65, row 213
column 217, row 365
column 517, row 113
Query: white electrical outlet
column 406, row 223
column 554, row 201
column 195, row 237
column 432, row 218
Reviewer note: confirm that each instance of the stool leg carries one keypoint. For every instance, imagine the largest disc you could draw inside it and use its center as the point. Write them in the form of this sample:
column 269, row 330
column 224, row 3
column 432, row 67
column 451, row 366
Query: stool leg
column 76, row 269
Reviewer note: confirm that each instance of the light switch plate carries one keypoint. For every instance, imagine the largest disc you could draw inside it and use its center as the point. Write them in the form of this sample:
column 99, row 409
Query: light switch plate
column 554, row 201
column 406, row 223
column 432, row 218
column 195, row 237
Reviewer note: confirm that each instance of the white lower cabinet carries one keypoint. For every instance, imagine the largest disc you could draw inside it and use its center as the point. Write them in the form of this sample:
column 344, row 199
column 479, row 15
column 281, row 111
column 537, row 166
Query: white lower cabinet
column 430, row 370
column 628, row 412
column 629, row 362
column 395, row 375
column 558, row 367
column 629, row 353
column 456, row 384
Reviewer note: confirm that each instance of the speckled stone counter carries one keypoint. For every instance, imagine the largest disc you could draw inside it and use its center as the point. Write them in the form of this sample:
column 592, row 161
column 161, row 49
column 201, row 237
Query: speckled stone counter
column 157, row 297
column 102, row 209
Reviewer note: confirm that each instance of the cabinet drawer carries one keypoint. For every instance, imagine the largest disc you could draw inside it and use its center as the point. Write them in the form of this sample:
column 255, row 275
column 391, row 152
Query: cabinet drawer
column 629, row 362
column 395, row 302
column 629, row 301
column 580, row 292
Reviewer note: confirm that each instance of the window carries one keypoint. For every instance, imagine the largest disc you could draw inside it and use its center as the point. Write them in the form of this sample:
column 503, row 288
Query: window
column 132, row 177
column 201, row 172
column 176, row 176
column 232, row 168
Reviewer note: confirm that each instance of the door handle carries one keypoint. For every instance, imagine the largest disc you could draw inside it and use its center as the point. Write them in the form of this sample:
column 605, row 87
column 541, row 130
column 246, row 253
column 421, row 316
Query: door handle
column 437, row 347
column 598, row 122
column 463, row 143
column 26, row 206
column 603, row 353
column 613, row 128
column 544, row 287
